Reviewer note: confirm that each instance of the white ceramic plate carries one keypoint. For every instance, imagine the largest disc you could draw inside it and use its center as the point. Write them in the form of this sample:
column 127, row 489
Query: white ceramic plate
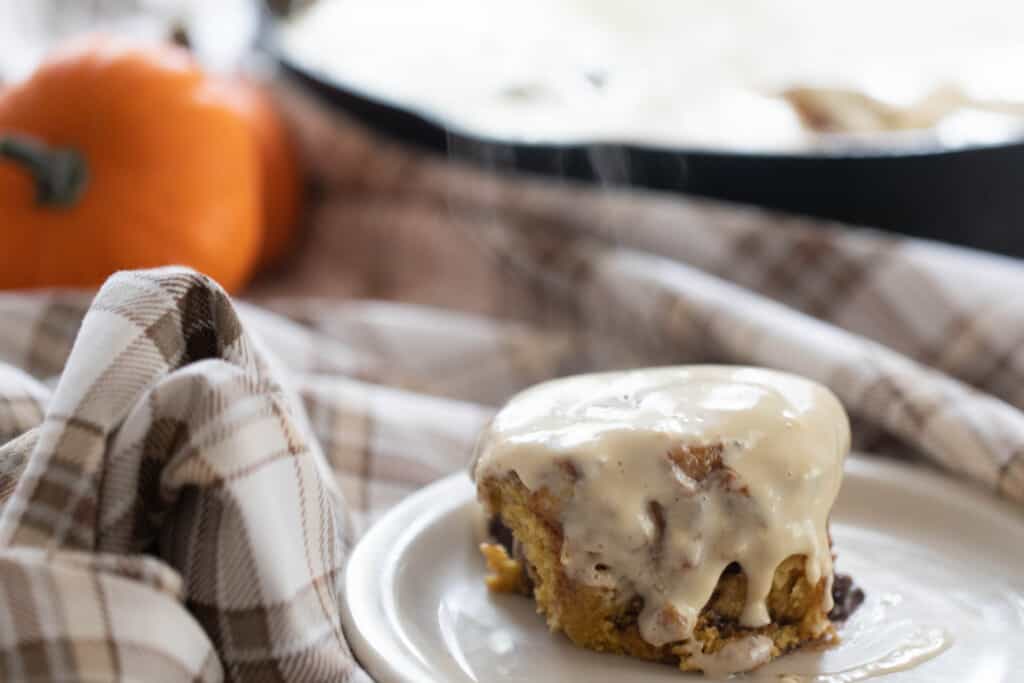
column 938, row 560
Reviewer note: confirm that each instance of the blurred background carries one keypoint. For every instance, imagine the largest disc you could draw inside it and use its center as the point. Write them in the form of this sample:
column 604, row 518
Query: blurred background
column 904, row 118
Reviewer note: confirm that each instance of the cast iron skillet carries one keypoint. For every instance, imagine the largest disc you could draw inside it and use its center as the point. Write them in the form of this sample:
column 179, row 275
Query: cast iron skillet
column 966, row 195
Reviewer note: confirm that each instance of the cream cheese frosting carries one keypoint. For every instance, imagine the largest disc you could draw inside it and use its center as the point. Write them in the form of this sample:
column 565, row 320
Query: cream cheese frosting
column 643, row 516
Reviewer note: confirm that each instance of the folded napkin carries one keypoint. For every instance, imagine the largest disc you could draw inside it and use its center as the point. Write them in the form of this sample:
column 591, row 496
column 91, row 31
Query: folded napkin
column 182, row 476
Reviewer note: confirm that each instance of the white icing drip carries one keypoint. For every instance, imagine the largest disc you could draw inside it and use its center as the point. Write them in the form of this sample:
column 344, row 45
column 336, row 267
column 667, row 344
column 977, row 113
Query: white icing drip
column 783, row 442
column 736, row 656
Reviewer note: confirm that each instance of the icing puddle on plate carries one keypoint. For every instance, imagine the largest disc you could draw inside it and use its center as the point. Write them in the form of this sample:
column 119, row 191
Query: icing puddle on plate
column 917, row 608
column 918, row 648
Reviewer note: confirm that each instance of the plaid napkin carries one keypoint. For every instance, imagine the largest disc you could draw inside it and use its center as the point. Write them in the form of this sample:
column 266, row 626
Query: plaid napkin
column 182, row 476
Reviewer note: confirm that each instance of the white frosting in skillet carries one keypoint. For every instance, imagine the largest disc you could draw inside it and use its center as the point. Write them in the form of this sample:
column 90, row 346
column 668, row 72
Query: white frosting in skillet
column 691, row 73
column 636, row 521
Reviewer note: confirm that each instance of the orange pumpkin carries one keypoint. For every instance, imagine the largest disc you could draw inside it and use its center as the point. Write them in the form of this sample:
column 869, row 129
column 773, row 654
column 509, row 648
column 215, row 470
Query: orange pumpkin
column 116, row 156
column 281, row 171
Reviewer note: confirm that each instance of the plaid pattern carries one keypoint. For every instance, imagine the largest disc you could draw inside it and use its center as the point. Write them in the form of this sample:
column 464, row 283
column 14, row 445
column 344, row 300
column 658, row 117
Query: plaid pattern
column 181, row 476
column 171, row 516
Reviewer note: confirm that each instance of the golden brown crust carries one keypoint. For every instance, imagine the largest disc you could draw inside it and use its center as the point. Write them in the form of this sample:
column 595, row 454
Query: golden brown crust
column 601, row 619
column 507, row 575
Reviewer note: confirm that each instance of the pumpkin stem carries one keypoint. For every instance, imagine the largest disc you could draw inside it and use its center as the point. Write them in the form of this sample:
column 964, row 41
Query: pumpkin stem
column 60, row 174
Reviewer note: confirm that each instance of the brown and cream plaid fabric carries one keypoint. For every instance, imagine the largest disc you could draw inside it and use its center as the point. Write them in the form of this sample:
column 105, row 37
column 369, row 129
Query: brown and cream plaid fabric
column 181, row 476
